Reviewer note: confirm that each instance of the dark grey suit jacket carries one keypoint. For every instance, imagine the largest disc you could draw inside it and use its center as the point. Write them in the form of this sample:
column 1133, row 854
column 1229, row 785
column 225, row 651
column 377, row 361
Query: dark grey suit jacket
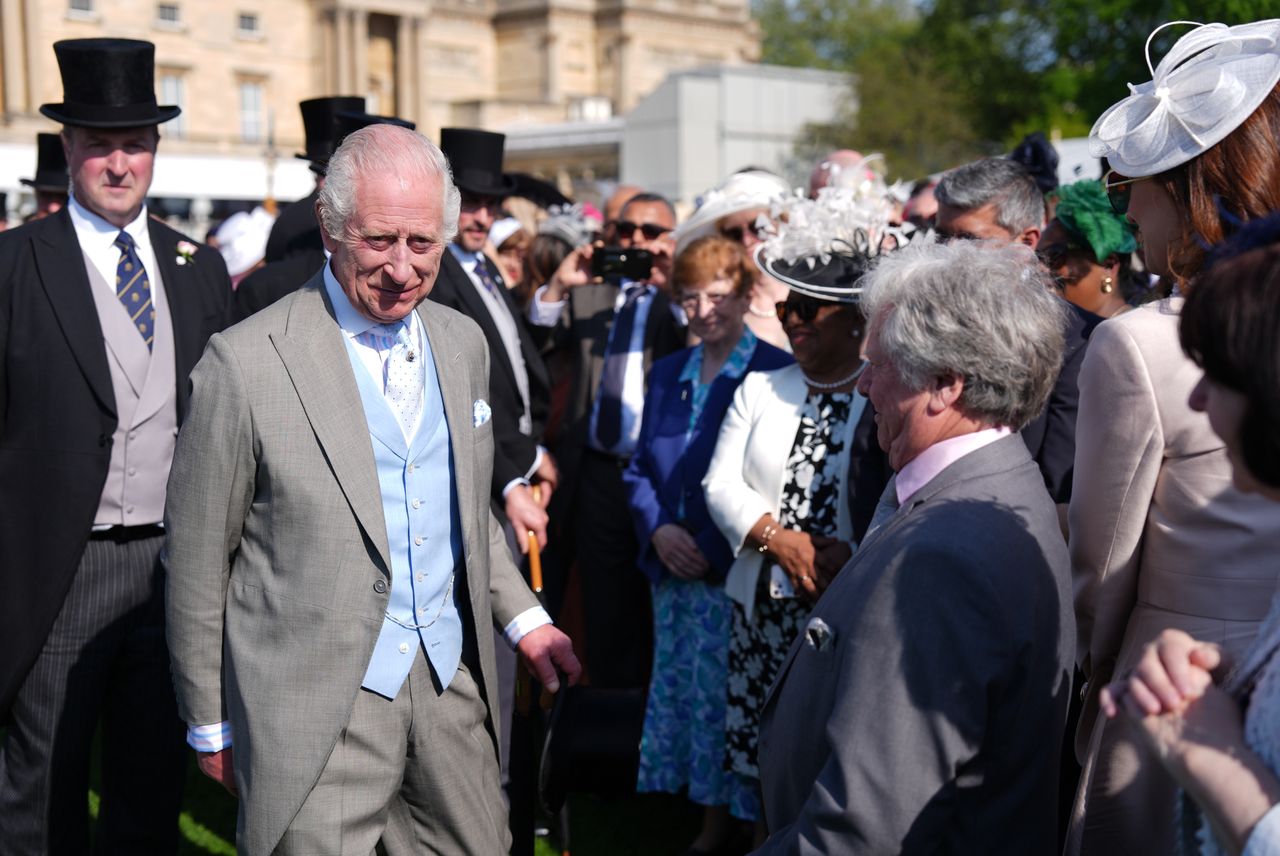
column 929, row 719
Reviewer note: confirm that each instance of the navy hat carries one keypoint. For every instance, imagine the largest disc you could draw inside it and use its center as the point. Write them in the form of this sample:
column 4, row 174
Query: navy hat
column 51, row 165
column 475, row 158
column 320, row 123
column 107, row 83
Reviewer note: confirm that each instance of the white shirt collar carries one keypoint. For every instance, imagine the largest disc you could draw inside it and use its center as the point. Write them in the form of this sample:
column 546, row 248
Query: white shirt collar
column 93, row 230
column 465, row 257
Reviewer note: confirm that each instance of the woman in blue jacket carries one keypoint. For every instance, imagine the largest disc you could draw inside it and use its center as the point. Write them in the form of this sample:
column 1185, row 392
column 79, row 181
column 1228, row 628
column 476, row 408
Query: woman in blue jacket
column 682, row 552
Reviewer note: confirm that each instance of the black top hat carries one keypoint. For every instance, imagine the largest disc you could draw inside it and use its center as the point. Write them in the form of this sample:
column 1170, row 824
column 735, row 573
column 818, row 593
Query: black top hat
column 320, row 120
column 107, row 83
column 475, row 157
column 348, row 122
column 51, row 165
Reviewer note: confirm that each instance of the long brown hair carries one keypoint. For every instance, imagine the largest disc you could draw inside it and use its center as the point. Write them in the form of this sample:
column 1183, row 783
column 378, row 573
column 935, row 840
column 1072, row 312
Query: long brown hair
column 1236, row 180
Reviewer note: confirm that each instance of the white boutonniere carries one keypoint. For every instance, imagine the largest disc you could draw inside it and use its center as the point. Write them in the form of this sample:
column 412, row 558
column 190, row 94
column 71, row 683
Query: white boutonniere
column 186, row 253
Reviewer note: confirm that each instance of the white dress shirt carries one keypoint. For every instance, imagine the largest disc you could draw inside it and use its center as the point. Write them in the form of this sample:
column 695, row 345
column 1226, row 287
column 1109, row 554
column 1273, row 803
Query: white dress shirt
column 97, row 241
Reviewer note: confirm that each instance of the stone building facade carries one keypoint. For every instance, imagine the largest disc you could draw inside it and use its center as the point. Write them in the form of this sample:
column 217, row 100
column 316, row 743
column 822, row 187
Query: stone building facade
column 239, row 67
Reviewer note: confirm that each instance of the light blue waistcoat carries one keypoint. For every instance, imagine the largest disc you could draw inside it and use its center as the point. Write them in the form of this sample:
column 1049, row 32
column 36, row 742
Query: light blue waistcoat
column 424, row 533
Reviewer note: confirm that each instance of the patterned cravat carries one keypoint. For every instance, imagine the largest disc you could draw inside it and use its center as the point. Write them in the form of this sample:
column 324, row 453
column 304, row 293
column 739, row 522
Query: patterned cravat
column 402, row 372
column 609, row 396
column 133, row 288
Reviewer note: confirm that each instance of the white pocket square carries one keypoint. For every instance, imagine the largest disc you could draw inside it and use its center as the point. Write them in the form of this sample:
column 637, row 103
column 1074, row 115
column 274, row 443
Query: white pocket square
column 818, row 635
column 480, row 412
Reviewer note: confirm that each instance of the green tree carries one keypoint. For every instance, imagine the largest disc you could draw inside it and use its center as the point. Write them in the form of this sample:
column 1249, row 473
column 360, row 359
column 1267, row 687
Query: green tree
column 947, row 80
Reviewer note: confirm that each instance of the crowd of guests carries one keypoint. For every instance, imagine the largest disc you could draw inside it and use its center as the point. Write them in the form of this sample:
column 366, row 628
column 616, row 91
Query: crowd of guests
column 925, row 518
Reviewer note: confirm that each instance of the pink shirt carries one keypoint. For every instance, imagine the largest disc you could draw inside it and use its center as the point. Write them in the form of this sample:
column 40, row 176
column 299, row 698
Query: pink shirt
column 928, row 464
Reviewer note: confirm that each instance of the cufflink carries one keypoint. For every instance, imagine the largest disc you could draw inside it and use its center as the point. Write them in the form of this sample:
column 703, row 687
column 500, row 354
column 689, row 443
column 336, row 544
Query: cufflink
column 818, row 635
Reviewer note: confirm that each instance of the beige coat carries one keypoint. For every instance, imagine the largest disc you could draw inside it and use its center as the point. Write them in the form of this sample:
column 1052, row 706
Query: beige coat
column 1159, row 538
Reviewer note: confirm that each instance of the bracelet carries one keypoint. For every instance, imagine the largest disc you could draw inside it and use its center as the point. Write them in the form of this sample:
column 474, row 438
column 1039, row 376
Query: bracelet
column 768, row 533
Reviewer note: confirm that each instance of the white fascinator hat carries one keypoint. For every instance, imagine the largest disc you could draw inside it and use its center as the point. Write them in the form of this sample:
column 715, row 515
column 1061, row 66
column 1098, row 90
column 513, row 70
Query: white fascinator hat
column 1212, row 79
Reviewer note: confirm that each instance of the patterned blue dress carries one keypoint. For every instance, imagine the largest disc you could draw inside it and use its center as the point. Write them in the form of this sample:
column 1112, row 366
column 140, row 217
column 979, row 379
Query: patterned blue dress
column 684, row 727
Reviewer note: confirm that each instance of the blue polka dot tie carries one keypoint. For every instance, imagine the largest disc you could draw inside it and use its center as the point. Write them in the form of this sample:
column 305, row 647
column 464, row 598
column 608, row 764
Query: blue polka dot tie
column 134, row 289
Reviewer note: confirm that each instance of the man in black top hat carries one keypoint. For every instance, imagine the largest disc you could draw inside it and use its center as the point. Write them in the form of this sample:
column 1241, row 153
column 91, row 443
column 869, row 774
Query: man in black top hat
column 304, row 253
column 519, row 387
column 296, row 230
column 105, row 313
column 50, row 183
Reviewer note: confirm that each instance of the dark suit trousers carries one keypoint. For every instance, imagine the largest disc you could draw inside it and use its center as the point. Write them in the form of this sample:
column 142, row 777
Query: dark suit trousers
column 105, row 661
column 616, row 602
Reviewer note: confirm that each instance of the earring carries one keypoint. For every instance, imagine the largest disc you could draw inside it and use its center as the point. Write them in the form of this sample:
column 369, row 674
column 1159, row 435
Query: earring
column 1106, row 285
column 855, row 333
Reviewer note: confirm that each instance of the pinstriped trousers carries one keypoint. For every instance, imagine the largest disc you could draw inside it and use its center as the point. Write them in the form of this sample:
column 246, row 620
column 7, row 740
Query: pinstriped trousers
column 105, row 661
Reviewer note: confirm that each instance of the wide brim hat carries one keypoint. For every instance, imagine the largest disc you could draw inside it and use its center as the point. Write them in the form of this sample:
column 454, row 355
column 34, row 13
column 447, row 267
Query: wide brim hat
column 107, row 83
column 834, row 277
column 741, row 191
column 51, row 165
column 823, row 247
column 475, row 158
column 1212, row 79
column 320, row 124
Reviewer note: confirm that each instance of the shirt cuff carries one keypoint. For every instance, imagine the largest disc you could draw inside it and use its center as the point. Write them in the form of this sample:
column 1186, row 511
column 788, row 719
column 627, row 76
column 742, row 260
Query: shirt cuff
column 524, row 624
column 537, row 462
column 512, row 485
column 209, row 738
column 1264, row 840
column 544, row 313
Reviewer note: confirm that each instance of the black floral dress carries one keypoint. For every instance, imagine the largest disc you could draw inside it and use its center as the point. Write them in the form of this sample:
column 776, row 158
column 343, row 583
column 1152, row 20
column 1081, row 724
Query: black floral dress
column 809, row 502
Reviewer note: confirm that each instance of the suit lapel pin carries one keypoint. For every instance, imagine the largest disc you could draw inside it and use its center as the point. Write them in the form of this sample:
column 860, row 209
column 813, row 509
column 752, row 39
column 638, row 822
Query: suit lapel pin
column 818, row 635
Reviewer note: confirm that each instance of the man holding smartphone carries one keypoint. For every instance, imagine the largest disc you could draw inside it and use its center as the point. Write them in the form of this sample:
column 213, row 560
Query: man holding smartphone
column 612, row 331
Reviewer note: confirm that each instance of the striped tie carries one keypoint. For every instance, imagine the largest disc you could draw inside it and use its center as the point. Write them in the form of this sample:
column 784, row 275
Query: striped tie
column 134, row 289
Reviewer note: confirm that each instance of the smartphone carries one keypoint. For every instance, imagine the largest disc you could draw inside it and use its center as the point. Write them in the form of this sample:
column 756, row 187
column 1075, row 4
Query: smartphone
column 621, row 263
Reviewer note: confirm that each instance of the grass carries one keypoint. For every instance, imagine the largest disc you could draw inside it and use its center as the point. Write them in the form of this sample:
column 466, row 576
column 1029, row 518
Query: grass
column 640, row 825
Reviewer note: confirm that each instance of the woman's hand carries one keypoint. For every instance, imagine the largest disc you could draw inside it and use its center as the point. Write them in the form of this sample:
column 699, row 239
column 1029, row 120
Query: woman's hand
column 794, row 551
column 832, row 555
column 679, row 552
column 1174, row 670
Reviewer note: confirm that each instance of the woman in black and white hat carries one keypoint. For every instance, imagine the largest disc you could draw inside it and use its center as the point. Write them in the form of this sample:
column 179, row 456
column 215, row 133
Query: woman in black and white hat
column 797, row 471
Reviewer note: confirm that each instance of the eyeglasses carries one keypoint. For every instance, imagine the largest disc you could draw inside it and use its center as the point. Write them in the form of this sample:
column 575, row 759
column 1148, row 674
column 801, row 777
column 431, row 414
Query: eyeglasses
column 1119, row 189
column 691, row 300
column 651, row 231
column 804, row 308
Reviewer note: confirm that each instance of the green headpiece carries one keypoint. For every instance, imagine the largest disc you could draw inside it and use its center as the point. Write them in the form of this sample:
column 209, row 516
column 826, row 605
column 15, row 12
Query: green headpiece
column 1085, row 212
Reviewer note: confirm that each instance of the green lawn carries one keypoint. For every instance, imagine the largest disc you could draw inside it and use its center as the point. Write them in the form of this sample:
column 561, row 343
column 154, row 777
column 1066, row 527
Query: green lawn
column 637, row 826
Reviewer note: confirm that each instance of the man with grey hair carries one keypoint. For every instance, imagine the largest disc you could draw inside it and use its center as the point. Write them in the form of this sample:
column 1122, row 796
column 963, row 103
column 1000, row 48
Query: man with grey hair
column 922, row 708
column 997, row 202
column 993, row 199
column 332, row 556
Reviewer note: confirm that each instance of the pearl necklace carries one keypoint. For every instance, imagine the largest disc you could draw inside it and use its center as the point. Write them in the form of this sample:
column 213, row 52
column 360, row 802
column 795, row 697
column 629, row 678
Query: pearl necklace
column 836, row 384
column 751, row 310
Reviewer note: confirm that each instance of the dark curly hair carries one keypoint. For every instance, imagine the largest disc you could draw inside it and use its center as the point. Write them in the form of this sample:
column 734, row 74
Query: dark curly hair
column 1230, row 327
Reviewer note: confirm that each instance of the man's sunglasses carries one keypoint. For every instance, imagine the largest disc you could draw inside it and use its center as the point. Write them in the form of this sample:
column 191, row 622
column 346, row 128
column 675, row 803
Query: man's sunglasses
column 651, row 231
column 804, row 308
column 1119, row 188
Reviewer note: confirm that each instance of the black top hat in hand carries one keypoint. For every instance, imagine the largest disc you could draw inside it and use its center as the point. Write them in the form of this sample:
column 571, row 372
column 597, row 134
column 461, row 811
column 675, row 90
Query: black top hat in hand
column 51, row 165
column 320, row 122
column 107, row 83
column 475, row 157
